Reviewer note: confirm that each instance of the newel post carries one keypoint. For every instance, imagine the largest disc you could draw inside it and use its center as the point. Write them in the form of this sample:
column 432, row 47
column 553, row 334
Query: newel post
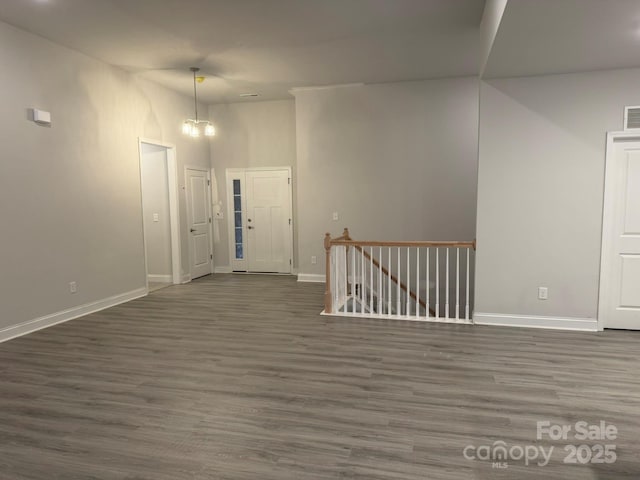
column 327, row 290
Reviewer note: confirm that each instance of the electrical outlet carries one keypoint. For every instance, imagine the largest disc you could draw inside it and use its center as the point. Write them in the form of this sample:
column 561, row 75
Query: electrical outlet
column 336, row 217
column 543, row 293
column 73, row 287
column 314, row 260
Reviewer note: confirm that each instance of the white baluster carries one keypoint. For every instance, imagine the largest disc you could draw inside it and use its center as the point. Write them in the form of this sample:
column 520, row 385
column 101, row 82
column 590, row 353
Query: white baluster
column 428, row 284
column 362, row 281
column 446, row 304
column 408, row 312
column 466, row 315
column 417, row 281
column 457, row 283
column 398, row 312
column 346, row 279
column 334, row 276
column 371, row 290
column 380, row 284
column 353, row 279
column 437, row 282
column 389, row 282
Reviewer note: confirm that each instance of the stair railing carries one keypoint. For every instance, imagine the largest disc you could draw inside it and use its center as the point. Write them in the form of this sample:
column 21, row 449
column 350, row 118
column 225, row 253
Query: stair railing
column 418, row 280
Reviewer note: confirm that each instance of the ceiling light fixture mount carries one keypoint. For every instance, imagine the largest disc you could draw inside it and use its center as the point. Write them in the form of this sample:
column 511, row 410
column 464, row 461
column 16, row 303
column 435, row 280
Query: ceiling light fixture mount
column 194, row 126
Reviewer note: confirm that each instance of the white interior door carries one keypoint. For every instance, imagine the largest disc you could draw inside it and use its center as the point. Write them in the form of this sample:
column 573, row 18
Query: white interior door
column 199, row 222
column 268, row 220
column 620, row 278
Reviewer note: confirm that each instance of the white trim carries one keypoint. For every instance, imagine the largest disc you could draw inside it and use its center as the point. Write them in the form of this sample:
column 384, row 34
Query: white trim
column 534, row 321
column 160, row 278
column 409, row 318
column 608, row 210
column 223, row 269
column 186, row 278
column 311, row 278
column 174, row 210
column 69, row 314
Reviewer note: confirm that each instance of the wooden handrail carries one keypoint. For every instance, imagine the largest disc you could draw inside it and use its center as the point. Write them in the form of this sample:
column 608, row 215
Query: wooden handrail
column 374, row 243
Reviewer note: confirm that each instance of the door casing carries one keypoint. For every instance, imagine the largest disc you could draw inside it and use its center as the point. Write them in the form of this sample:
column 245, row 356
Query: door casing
column 174, row 211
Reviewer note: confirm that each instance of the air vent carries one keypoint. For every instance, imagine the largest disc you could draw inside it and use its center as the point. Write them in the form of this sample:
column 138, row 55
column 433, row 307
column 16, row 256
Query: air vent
column 632, row 118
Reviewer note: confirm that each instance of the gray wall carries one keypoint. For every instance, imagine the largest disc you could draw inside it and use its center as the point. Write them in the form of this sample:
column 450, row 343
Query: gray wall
column 70, row 194
column 397, row 162
column 155, row 201
column 257, row 134
column 540, row 191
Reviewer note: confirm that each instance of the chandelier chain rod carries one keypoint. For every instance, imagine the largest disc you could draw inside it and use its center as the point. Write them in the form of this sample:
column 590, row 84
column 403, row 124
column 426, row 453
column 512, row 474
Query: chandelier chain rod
column 195, row 94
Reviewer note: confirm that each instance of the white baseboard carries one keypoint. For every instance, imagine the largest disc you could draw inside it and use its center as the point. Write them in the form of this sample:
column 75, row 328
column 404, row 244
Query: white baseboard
column 64, row 316
column 310, row 277
column 160, row 278
column 222, row 269
column 533, row 321
column 186, row 278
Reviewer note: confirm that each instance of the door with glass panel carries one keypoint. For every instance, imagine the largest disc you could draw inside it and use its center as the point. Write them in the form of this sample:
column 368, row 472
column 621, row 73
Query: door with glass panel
column 260, row 224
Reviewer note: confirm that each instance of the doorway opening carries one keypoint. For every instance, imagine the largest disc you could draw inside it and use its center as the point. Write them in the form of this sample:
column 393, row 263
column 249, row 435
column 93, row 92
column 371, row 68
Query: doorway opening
column 159, row 191
column 260, row 219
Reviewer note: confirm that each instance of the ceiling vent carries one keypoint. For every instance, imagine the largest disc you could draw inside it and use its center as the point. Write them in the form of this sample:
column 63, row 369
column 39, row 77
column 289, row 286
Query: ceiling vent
column 632, row 118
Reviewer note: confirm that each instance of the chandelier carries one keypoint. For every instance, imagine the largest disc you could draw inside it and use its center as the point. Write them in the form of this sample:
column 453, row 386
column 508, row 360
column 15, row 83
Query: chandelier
column 193, row 126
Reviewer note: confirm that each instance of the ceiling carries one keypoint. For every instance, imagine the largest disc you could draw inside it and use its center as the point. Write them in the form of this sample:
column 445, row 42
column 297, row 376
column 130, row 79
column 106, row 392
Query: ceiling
column 538, row 37
column 263, row 46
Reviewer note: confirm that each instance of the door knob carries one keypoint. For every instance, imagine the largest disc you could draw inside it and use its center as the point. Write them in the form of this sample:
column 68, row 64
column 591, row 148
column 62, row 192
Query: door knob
column 250, row 227
column 192, row 230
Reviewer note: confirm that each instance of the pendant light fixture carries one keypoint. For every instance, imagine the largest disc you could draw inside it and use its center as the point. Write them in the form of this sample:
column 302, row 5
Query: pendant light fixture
column 194, row 127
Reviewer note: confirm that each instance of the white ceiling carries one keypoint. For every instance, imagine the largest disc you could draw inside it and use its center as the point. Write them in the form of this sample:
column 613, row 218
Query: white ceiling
column 263, row 46
column 539, row 37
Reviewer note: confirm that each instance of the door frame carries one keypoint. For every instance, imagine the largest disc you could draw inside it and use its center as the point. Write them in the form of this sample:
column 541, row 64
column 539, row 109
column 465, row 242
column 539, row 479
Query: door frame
column 174, row 210
column 608, row 221
column 231, row 173
column 209, row 214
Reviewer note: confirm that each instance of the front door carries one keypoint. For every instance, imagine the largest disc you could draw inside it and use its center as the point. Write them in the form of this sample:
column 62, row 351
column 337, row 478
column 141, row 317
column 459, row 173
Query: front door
column 620, row 278
column 268, row 221
column 199, row 222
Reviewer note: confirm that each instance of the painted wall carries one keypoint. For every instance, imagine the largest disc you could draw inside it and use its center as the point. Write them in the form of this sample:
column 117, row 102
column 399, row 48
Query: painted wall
column 70, row 199
column 155, row 208
column 396, row 161
column 540, row 193
column 257, row 134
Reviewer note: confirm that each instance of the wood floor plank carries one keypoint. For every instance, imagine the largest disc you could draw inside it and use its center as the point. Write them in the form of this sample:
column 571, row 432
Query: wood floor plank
column 238, row 377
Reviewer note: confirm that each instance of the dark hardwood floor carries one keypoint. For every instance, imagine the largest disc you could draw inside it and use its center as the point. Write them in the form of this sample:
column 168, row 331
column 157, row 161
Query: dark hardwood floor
column 239, row 377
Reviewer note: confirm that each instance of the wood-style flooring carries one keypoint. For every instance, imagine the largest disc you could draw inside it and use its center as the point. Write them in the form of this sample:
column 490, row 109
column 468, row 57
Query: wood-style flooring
column 238, row 377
